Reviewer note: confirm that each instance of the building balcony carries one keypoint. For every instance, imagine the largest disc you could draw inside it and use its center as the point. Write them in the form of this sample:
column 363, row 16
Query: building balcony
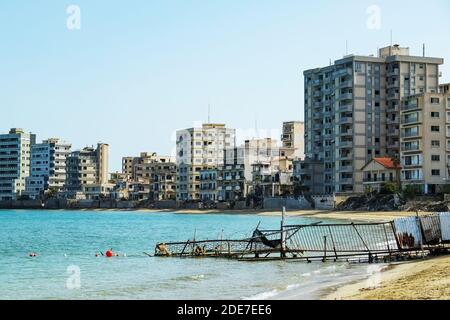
column 346, row 144
column 393, row 133
column 410, row 107
column 317, row 115
column 346, row 120
column 391, row 121
column 410, row 135
column 394, row 109
column 411, row 120
column 346, row 133
column 346, row 84
column 346, row 169
column 412, row 164
column 342, row 72
column 393, row 96
column 316, row 82
column 375, row 181
column 393, row 72
column 317, row 104
column 346, row 156
column 346, row 96
column 346, row 181
column 327, row 91
column 346, row 108
column 317, row 93
column 393, row 84
column 393, row 145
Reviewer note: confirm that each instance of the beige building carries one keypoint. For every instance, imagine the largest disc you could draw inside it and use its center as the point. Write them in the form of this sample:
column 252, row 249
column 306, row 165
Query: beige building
column 379, row 171
column 352, row 111
column 163, row 179
column 254, row 151
column 88, row 166
column 274, row 177
column 425, row 141
column 293, row 139
column 152, row 176
column 444, row 88
column 199, row 149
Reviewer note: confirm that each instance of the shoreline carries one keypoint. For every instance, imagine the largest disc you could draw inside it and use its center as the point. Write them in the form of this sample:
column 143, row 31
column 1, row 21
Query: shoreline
column 356, row 216
column 422, row 279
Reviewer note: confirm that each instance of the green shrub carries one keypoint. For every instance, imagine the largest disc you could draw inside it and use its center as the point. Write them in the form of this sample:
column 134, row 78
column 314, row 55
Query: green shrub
column 389, row 188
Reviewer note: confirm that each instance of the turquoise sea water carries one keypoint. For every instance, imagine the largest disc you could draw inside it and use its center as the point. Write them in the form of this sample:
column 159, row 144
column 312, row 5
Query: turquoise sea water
column 68, row 240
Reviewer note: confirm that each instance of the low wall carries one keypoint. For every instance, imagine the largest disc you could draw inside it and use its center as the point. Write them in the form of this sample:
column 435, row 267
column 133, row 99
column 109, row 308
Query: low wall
column 324, row 202
column 165, row 204
column 21, row 204
column 290, row 203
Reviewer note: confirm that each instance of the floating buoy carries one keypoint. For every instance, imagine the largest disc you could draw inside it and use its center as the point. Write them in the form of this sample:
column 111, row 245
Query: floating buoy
column 96, row 254
column 109, row 254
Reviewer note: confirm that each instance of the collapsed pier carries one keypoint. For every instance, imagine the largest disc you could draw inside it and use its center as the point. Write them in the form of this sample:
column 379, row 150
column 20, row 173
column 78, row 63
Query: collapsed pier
column 361, row 242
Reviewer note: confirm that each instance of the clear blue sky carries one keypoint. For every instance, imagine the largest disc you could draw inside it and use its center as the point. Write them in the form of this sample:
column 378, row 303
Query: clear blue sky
column 138, row 70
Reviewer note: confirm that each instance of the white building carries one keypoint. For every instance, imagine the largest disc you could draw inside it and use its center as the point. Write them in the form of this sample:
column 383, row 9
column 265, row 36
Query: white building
column 14, row 162
column 197, row 149
column 48, row 167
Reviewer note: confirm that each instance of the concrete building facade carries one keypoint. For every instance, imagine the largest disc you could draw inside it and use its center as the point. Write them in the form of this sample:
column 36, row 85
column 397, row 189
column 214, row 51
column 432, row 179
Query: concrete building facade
column 199, row 149
column 352, row 111
column 88, row 166
column 15, row 152
column 48, row 168
column 425, row 141
column 293, row 137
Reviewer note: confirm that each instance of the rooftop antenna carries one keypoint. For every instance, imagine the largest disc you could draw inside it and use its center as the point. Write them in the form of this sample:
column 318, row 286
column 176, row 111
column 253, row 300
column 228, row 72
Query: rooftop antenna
column 390, row 47
column 424, row 50
column 346, row 47
column 256, row 126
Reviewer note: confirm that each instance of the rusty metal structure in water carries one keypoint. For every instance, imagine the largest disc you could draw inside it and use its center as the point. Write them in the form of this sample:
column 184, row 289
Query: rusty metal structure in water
column 360, row 242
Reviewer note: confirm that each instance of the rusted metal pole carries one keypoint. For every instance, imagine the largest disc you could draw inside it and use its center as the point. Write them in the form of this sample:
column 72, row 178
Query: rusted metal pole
column 283, row 235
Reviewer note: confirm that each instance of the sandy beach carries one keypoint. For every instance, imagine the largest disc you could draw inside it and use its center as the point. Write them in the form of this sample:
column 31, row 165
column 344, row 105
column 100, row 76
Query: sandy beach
column 348, row 215
column 427, row 279
column 379, row 216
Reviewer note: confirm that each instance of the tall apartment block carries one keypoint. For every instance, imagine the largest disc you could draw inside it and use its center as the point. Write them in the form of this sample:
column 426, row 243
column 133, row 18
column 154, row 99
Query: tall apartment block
column 48, row 167
column 15, row 148
column 88, row 166
column 293, row 138
column 425, row 141
column 197, row 149
column 352, row 111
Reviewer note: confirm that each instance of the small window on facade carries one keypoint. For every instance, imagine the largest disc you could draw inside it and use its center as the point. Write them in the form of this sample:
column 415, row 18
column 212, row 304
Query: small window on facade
column 435, row 172
column 435, row 100
column 435, row 114
column 434, row 128
column 435, row 143
column 435, row 157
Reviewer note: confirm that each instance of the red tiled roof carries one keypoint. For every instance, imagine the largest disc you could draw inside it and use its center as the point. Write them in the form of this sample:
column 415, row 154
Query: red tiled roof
column 387, row 163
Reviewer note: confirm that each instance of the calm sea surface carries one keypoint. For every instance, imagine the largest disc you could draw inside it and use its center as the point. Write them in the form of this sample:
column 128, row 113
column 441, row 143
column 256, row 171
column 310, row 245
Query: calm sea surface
column 66, row 241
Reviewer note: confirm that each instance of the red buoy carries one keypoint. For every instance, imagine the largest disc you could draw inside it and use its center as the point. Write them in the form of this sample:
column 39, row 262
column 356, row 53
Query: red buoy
column 109, row 253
